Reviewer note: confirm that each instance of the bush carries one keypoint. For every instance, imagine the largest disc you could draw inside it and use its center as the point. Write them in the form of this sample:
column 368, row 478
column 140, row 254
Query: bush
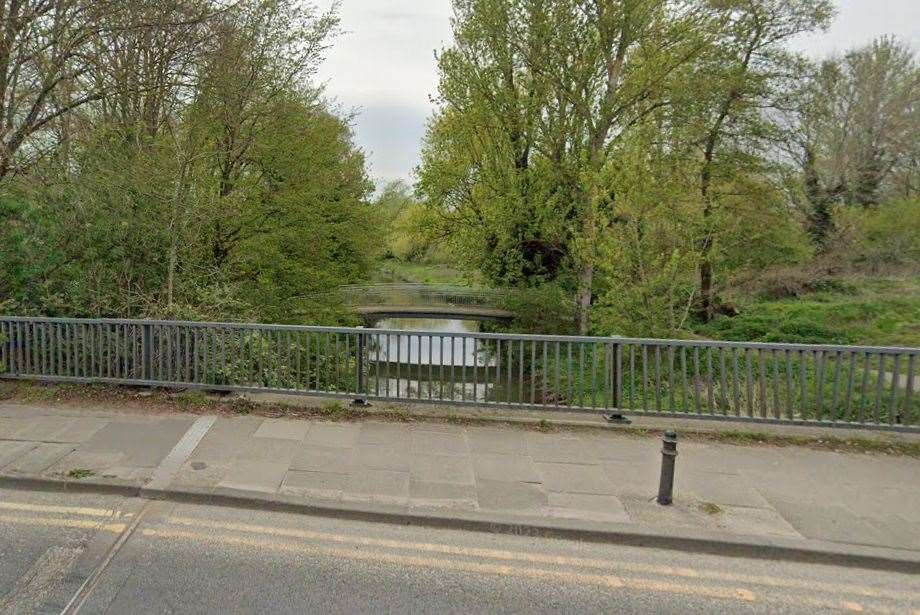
column 876, row 237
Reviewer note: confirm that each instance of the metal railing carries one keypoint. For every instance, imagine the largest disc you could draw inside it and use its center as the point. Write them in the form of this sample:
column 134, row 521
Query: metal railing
column 787, row 383
column 423, row 295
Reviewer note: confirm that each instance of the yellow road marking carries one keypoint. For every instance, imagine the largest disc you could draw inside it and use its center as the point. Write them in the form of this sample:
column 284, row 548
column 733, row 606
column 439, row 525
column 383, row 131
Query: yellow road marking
column 55, row 522
column 66, row 510
column 558, row 560
column 463, row 566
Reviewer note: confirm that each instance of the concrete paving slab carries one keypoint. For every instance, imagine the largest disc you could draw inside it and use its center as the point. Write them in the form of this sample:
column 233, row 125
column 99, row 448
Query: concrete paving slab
column 393, row 434
column 328, row 485
column 427, row 494
column 501, row 441
column 436, row 443
column 525, row 498
column 441, row 469
column 270, row 450
column 38, row 459
column 720, row 489
column 761, row 521
column 382, row 486
column 575, row 478
column 260, row 476
column 86, row 460
column 282, row 429
column 603, row 508
column 834, row 523
column 144, row 445
column 515, row 468
column 559, row 448
column 200, row 474
column 338, row 460
column 638, row 479
column 679, row 514
column 380, row 457
column 332, row 434
column 12, row 449
column 81, row 429
column 610, row 447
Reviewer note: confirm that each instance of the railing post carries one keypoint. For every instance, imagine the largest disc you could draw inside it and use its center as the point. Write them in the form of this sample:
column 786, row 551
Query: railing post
column 361, row 400
column 147, row 350
column 668, row 457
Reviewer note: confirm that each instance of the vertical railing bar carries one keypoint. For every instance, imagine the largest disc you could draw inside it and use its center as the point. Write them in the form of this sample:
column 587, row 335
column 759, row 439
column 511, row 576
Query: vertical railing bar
column 545, row 371
column 644, row 378
column 463, row 369
column 671, row 356
column 835, row 394
column 475, row 369
column 819, row 382
column 696, row 379
column 790, row 389
column 533, row 375
column 736, row 394
column 851, row 378
column 803, row 384
column 593, row 375
column 685, row 390
column 879, row 387
column 509, row 370
column 749, row 381
column 556, row 393
column 893, row 414
column 909, row 393
column 430, row 365
column 762, row 372
column 570, row 375
column 452, row 375
column 723, row 382
column 657, row 378
column 864, row 390
column 632, row 376
column 709, row 384
column 777, row 411
column 581, row 374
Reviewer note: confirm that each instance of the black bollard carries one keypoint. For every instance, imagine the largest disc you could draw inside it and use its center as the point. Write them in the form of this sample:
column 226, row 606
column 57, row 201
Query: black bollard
column 668, row 455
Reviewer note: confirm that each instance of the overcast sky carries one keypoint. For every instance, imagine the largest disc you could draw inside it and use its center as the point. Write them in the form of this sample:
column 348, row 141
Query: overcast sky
column 383, row 66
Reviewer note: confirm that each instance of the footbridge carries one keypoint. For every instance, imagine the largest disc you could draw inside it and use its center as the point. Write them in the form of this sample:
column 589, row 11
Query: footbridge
column 379, row 301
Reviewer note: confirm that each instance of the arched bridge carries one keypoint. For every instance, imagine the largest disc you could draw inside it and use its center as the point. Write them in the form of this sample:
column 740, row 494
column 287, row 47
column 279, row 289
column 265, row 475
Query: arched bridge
column 380, row 301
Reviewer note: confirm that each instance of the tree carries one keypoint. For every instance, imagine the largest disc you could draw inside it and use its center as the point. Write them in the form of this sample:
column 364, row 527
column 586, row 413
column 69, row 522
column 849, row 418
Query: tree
column 534, row 95
column 728, row 94
column 855, row 130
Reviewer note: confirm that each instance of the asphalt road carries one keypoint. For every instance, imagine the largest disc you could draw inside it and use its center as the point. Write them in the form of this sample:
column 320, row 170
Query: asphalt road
column 92, row 554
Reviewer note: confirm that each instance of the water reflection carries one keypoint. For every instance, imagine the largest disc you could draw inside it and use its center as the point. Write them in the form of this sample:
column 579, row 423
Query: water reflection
column 437, row 364
column 443, row 349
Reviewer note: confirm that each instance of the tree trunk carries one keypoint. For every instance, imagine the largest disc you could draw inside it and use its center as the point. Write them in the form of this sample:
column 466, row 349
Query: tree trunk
column 583, row 298
column 707, row 308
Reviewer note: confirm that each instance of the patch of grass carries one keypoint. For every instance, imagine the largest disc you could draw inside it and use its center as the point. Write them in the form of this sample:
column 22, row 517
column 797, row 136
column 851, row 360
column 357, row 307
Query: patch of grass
column 78, row 473
column 335, row 410
column 397, row 271
column 873, row 312
column 710, row 509
column 545, row 426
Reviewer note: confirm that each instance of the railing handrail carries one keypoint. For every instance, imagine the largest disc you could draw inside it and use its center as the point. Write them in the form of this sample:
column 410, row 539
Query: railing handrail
column 481, row 335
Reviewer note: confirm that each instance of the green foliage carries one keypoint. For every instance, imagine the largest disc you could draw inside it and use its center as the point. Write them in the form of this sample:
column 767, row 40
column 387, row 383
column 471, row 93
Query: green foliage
column 881, row 313
column 545, row 309
column 887, row 235
column 246, row 199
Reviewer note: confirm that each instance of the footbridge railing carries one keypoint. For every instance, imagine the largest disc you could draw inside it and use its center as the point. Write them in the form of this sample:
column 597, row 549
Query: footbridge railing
column 854, row 386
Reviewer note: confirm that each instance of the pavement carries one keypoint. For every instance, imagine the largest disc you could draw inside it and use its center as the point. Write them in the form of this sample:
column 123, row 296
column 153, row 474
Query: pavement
column 761, row 501
column 90, row 553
